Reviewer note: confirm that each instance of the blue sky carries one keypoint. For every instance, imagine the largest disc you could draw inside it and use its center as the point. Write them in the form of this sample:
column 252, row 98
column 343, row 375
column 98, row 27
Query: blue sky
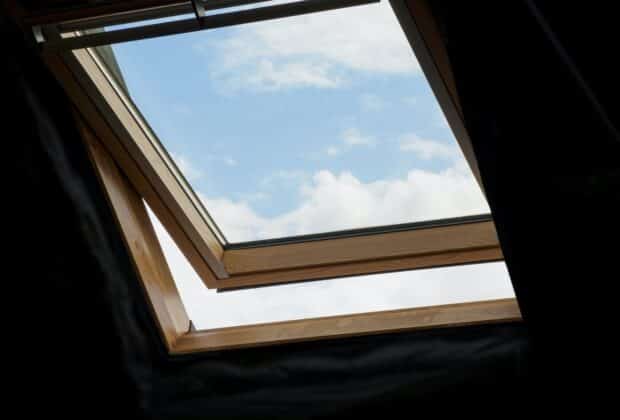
column 302, row 125
column 305, row 125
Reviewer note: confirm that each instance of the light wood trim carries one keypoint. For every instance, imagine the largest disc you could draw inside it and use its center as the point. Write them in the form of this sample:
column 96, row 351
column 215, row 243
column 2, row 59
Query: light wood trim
column 118, row 133
column 423, row 34
column 406, row 243
column 429, row 31
column 141, row 242
column 455, row 315
column 361, row 268
column 135, row 136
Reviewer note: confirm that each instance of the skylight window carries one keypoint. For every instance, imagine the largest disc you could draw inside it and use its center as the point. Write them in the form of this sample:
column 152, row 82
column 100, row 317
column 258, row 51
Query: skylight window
column 310, row 149
column 310, row 124
column 286, row 143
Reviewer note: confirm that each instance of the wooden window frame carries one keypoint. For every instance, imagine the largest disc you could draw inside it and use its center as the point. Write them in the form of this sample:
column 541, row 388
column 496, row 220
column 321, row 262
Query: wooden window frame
column 174, row 323
column 133, row 166
column 103, row 103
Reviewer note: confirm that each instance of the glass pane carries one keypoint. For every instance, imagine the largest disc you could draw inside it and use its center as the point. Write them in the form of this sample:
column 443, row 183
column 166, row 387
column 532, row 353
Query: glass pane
column 303, row 125
column 380, row 292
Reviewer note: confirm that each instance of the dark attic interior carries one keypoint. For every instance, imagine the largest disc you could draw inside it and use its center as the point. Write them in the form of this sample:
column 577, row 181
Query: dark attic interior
column 104, row 324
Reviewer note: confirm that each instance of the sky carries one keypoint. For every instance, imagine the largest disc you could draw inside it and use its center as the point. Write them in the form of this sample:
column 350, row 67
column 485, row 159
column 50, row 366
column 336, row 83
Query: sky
column 304, row 125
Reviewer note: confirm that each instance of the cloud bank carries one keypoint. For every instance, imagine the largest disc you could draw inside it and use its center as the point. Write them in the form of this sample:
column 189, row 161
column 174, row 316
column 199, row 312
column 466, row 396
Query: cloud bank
column 316, row 50
column 335, row 201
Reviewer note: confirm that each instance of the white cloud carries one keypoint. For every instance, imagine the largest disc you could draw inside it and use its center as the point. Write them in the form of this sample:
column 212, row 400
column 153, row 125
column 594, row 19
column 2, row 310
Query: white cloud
column 254, row 197
column 188, row 170
column 236, row 218
column 341, row 201
column 350, row 138
column 332, row 151
column 353, row 137
column 274, row 76
column 191, row 171
column 313, row 50
column 428, row 149
column 230, row 161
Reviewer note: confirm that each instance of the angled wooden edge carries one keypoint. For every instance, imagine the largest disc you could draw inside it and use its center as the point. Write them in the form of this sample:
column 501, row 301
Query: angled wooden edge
column 431, row 36
column 167, row 200
column 444, row 316
column 358, row 268
column 154, row 161
column 431, row 240
column 423, row 34
column 141, row 242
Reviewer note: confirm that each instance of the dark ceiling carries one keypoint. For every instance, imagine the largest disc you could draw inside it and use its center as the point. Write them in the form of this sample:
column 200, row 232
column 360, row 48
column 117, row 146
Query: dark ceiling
column 45, row 11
